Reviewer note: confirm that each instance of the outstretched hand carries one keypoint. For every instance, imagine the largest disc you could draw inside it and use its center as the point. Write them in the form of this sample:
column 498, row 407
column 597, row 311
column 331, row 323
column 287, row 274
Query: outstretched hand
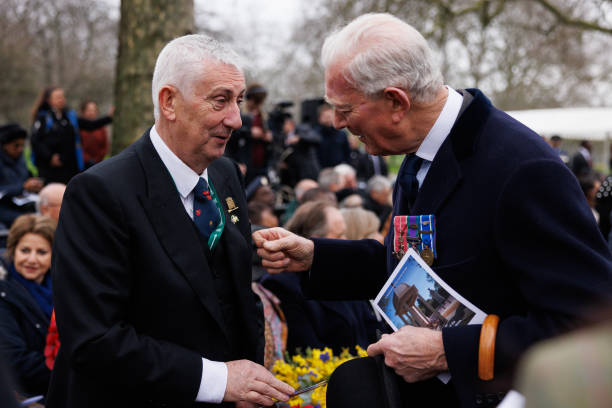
column 251, row 385
column 414, row 353
column 281, row 250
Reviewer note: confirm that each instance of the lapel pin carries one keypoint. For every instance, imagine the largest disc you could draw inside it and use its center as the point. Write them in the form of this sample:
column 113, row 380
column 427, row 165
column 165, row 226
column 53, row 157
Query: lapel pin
column 231, row 206
column 234, row 219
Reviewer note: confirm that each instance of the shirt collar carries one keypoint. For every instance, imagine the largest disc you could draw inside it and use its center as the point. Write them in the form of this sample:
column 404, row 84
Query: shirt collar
column 442, row 127
column 184, row 177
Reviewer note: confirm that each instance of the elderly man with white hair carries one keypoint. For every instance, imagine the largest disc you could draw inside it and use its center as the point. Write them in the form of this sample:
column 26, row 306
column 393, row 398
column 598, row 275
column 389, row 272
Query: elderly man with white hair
column 511, row 231
column 152, row 262
column 50, row 200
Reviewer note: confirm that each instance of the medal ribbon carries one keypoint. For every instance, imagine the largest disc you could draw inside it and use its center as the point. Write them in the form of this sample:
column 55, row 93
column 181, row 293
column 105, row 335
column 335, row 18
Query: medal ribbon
column 399, row 236
column 413, row 232
column 428, row 235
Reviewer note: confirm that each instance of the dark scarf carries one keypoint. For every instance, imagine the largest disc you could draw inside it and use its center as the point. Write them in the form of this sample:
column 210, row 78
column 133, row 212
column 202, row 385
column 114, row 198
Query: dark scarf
column 40, row 292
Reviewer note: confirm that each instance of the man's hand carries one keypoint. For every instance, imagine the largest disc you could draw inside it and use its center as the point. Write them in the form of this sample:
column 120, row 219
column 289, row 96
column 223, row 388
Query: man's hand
column 281, row 250
column 249, row 384
column 33, row 185
column 415, row 353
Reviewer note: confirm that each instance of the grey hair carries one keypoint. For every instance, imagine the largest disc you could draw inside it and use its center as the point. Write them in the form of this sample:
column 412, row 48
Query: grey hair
column 182, row 60
column 344, row 170
column 328, row 177
column 378, row 183
column 378, row 50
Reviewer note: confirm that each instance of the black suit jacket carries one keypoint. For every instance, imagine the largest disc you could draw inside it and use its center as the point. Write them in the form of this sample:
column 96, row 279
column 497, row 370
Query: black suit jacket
column 515, row 237
column 135, row 303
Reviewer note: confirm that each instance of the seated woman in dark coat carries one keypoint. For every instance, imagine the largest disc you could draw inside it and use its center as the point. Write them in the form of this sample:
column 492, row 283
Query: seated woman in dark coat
column 26, row 303
column 15, row 179
column 319, row 323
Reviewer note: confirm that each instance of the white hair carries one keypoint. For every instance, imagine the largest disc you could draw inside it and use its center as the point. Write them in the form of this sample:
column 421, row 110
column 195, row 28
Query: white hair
column 378, row 184
column 345, row 170
column 182, row 61
column 51, row 190
column 378, row 50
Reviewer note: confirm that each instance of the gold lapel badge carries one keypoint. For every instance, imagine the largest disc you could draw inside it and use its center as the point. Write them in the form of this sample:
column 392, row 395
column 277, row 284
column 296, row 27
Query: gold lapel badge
column 231, row 205
column 234, row 219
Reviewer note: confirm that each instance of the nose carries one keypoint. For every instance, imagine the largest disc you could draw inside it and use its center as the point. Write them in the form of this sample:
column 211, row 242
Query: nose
column 339, row 120
column 232, row 119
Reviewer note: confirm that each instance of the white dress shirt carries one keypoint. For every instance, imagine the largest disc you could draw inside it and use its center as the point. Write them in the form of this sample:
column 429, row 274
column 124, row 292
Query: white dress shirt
column 439, row 132
column 214, row 373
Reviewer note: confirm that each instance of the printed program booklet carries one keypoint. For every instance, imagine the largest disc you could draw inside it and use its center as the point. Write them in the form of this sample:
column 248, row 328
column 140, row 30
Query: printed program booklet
column 415, row 295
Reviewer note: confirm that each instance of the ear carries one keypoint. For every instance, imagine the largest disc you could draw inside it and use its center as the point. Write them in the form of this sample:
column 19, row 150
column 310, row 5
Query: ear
column 167, row 99
column 398, row 100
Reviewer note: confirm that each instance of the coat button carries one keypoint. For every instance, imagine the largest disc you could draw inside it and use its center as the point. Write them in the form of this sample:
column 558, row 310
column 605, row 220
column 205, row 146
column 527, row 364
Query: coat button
column 37, row 325
column 2, row 294
column 479, row 400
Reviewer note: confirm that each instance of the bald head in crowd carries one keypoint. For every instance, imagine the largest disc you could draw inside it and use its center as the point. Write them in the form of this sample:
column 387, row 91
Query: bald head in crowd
column 50, row 199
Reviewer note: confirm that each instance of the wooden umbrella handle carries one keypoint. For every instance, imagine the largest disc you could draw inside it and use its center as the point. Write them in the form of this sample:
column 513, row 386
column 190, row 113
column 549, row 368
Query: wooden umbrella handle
column 486, row 349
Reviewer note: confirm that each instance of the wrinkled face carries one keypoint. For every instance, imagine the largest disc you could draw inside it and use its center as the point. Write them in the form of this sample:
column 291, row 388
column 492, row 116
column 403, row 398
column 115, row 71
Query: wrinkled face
column 32, row 257
column 336, row 227
column 91, row 111
column 207, row 114
column 367, row 118
column 14, row 149
column 57, row 100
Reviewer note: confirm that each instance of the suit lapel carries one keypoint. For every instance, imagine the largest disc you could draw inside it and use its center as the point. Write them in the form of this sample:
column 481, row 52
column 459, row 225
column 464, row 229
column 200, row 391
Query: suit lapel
column 442, row 177
column 175, row 230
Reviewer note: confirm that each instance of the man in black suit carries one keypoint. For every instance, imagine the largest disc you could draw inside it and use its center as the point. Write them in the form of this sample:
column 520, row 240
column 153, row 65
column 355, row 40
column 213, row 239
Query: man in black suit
column 514, row 234
column 152, row 258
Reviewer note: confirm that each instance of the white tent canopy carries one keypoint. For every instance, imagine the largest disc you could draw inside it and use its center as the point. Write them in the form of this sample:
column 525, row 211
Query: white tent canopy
column 569, row 123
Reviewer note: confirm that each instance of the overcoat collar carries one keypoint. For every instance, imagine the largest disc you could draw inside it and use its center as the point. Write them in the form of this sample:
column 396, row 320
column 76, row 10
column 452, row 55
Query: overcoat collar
column 445, row 174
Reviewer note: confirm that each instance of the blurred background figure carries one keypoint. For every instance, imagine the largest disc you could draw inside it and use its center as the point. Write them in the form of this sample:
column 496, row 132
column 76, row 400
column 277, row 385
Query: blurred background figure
column 317, row 323
column 574, row 370
column 15, row 178
column 348, row 181
column 555, row 142
column 262, row 215
column 299, row 158
column 56, row 138
column 95, row 142
column 26, row 302
column 582, row 162
column 334, row 148
column 365, row 164
column 50, row 200
column 259, row 144
column 361, row 224
column 330, row 179
column 378, row 197
column 590, row 184
column 298, row 192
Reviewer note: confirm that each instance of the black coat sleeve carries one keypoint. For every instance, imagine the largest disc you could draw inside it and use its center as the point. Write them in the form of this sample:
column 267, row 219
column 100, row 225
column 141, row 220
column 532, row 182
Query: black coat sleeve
column 86, row 124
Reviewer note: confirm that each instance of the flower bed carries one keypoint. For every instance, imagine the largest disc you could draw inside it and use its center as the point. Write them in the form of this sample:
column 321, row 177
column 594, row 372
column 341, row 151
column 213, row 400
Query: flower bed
column 309, row 368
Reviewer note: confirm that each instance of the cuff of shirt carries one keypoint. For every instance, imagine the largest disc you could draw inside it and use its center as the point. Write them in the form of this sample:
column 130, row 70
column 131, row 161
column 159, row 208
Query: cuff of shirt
column 213, row 383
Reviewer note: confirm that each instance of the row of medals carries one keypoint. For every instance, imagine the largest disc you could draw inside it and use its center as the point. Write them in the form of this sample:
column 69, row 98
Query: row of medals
column 426, row 253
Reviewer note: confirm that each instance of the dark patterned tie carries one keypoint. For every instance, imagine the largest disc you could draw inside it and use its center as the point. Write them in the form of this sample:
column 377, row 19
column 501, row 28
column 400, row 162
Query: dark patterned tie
column 408, row 180
column 205, row 212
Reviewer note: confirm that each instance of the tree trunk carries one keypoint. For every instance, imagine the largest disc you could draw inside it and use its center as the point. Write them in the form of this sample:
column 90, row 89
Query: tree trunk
column 146, row 26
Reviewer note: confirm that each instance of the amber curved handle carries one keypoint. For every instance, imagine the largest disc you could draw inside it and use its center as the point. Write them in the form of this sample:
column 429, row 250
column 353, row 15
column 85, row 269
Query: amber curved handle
column 486, row 349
